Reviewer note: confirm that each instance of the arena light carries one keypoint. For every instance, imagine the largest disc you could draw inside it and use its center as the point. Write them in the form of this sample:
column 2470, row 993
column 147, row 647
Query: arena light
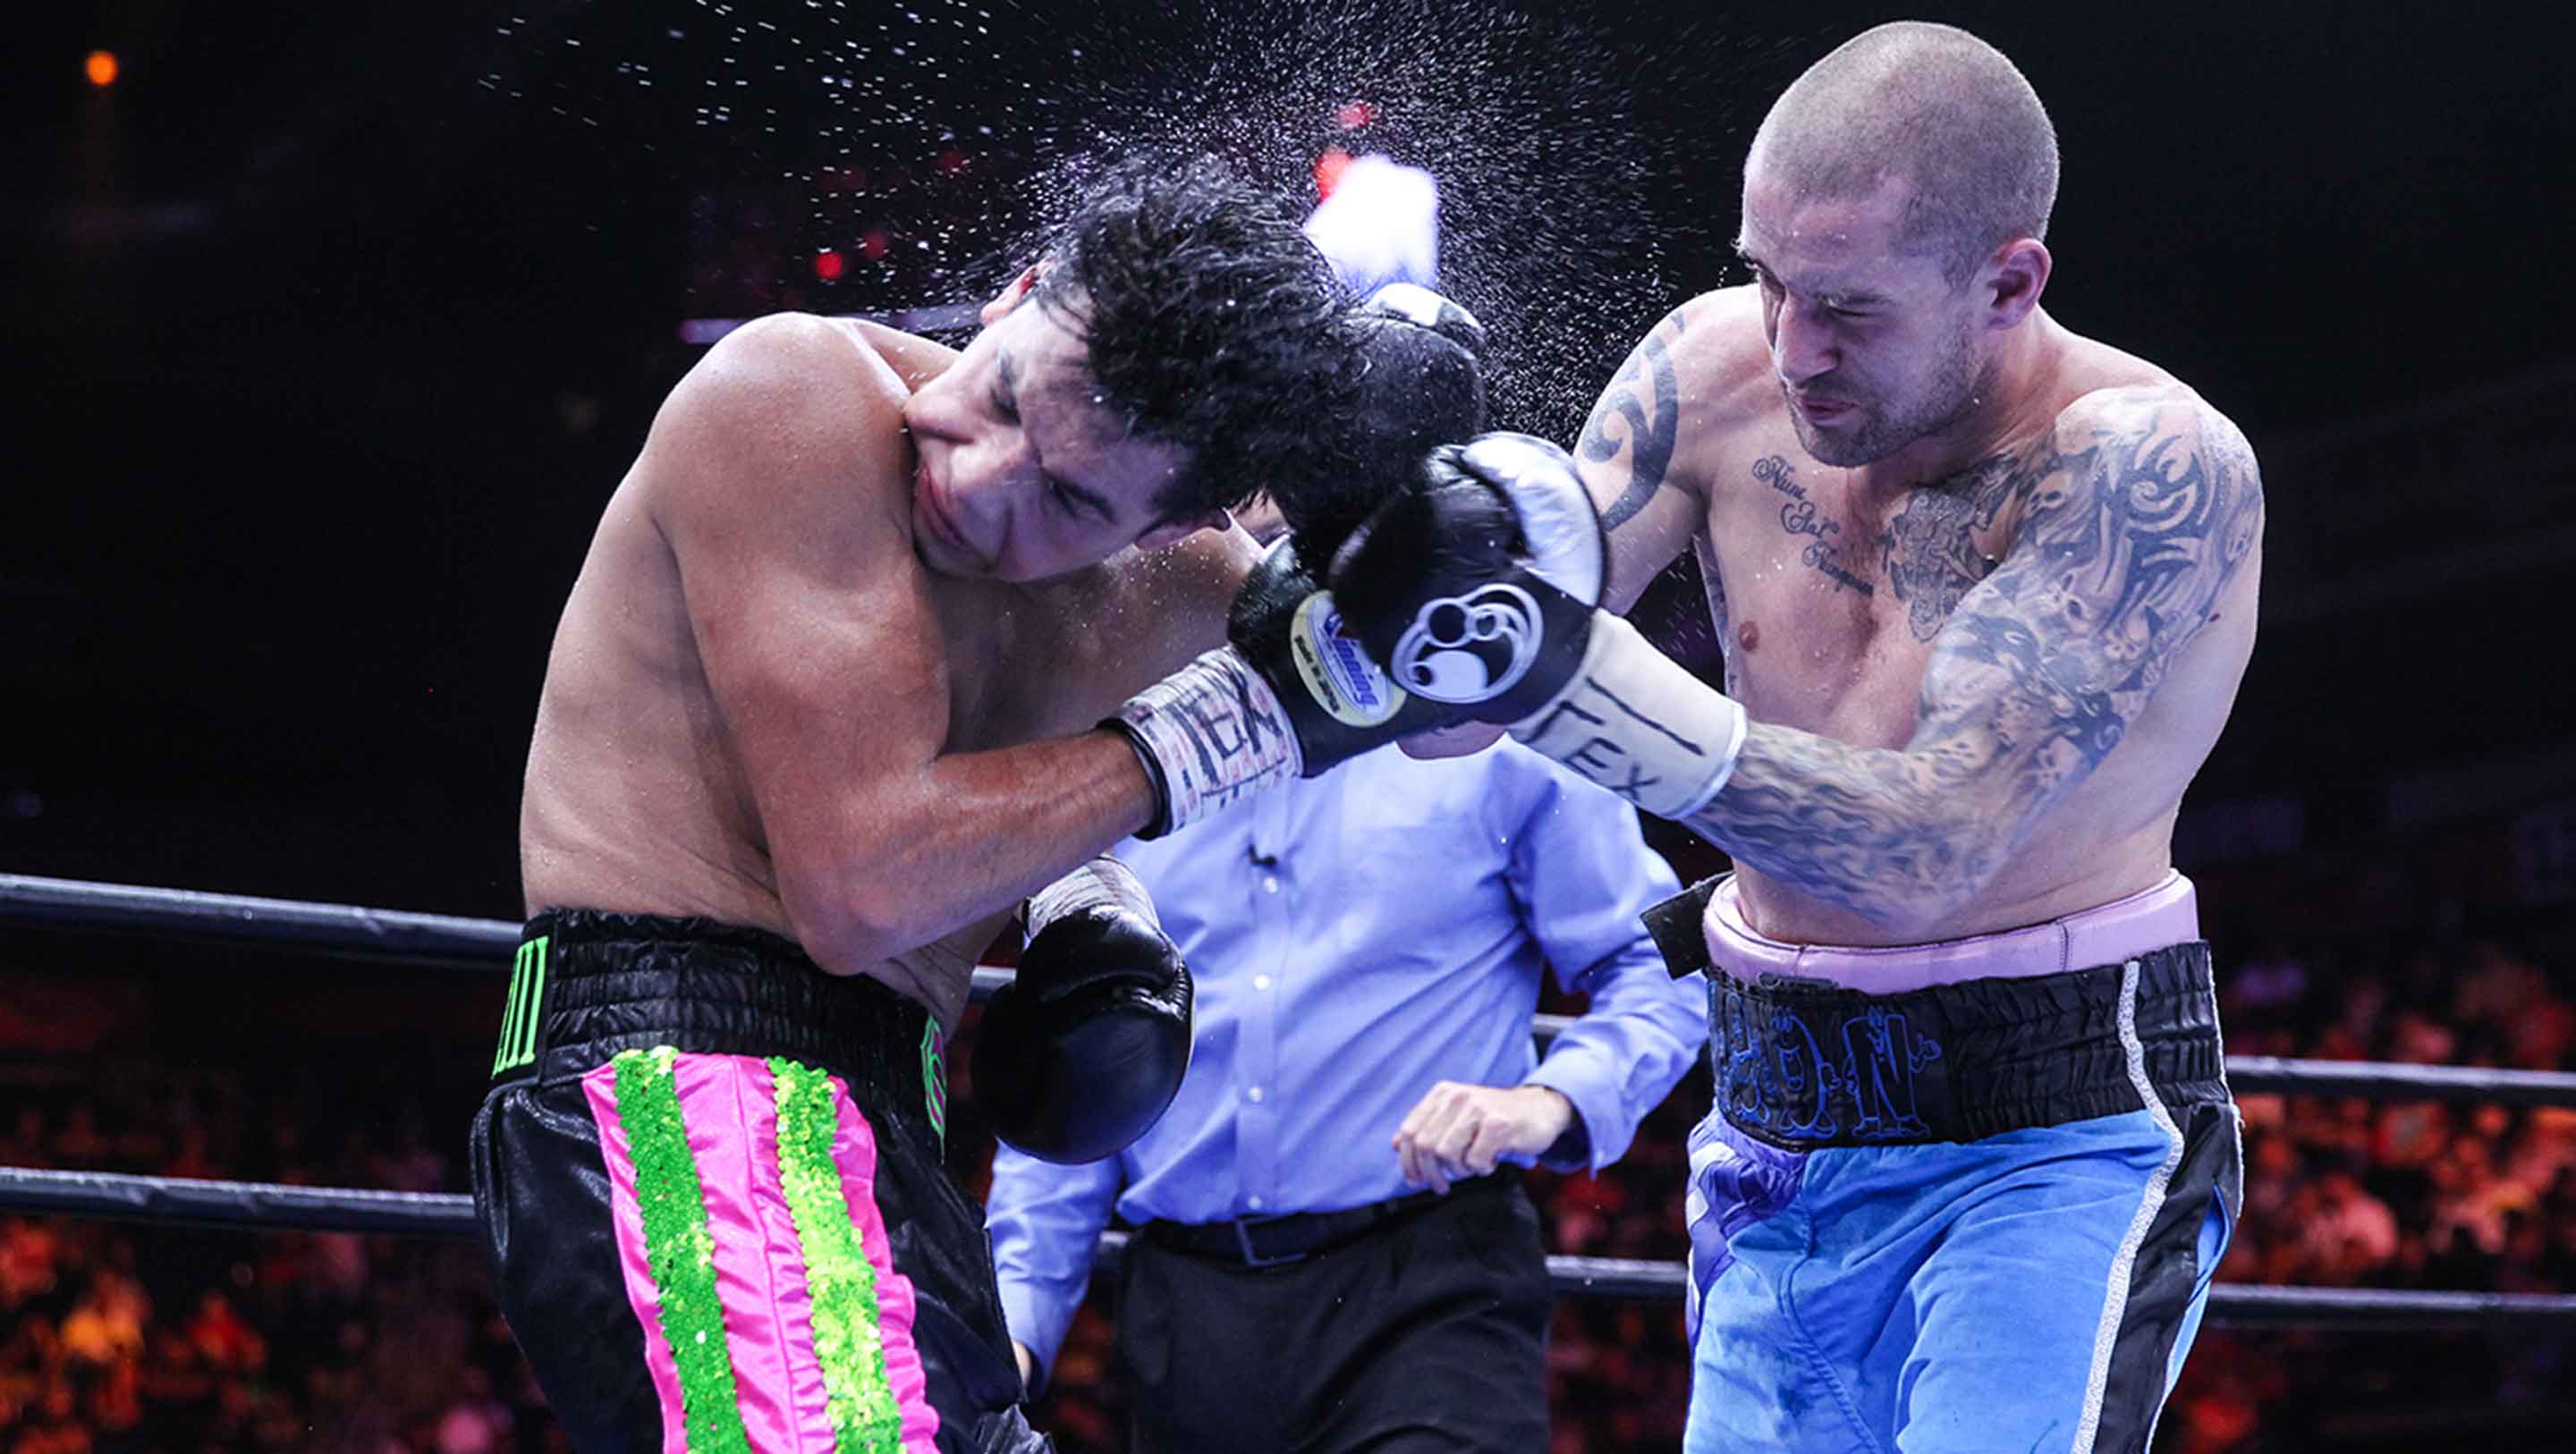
column 1328, row 171
column 101, row 68
column 828, row 265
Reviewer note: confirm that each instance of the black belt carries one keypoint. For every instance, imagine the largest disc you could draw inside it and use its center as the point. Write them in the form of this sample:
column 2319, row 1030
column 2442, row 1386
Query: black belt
column 1296, row 1236
column 1802, row 1064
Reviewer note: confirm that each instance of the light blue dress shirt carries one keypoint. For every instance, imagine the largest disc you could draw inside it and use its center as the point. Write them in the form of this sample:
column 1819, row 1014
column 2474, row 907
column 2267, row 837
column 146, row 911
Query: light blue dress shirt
column 1356, row 939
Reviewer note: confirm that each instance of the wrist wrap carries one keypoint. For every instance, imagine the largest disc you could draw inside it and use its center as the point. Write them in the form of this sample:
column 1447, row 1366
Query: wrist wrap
column 1633, row 721
column 1103, row 883
column 1209, row 733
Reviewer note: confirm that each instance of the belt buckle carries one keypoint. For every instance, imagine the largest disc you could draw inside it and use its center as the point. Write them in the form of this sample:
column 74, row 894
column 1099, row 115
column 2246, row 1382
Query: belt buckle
column 1243, row 1242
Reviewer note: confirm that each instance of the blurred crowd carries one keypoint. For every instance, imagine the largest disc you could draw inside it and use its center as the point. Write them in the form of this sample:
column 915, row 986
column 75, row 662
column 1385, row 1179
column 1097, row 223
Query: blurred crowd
column 114, row 1337
column 176, row 1341
column 2348, row 1192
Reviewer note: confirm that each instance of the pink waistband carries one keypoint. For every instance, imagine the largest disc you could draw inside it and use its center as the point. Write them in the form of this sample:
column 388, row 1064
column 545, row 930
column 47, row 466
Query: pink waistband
column 2122, row 929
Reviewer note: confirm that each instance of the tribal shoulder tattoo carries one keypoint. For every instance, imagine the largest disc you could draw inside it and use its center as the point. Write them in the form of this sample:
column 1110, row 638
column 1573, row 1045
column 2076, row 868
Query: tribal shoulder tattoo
column 2132, row 519
column 1639, row 414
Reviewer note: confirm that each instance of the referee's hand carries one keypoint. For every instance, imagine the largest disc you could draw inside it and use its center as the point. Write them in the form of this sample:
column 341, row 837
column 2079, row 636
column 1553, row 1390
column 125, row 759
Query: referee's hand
column 1460, row 1131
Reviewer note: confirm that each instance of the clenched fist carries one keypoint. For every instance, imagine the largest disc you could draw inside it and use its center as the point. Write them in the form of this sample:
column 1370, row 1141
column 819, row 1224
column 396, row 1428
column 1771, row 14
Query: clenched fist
column 1460, row 1131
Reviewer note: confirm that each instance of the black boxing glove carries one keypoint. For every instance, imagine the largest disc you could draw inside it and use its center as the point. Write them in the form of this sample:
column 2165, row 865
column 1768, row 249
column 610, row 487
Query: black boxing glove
column 1293, row 695
column 1417, row 383
column 1084, row 1049
column 1480, row 590
column 1424, row 308
column 1476, row 588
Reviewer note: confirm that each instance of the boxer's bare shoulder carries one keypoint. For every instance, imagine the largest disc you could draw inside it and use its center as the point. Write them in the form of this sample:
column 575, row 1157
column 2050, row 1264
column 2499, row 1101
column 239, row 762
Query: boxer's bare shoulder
column 751, row 575
column 1650, row 450
column 791, row 411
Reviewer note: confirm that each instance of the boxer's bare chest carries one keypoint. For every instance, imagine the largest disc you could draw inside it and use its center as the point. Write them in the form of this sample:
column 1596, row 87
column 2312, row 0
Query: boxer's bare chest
column 1026, row 662
column 1827, row 595
column 1015, row 661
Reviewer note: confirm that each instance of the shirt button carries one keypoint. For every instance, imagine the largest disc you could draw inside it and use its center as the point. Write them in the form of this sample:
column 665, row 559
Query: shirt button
column 1257, row 1203
column 1261, row 981
column 1270, row 884
column 1253, row 1095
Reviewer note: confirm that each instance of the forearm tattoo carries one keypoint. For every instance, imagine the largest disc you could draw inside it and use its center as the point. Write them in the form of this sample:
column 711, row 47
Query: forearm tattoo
column 2129, row 526
column 1644, row 403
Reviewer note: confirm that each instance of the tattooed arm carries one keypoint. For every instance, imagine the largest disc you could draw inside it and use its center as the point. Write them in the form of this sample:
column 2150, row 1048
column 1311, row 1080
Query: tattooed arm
column 2133, row 519
column 1625, row 458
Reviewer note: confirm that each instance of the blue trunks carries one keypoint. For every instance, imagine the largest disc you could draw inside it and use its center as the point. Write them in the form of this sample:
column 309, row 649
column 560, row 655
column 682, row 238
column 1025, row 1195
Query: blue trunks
column 1977, row 1213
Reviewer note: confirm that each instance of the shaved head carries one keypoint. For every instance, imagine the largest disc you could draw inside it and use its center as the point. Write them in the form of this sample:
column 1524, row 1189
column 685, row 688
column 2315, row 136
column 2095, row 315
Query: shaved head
column 1934, row 109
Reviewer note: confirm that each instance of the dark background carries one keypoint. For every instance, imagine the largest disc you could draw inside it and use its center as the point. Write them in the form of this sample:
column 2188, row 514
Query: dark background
column 337, row 324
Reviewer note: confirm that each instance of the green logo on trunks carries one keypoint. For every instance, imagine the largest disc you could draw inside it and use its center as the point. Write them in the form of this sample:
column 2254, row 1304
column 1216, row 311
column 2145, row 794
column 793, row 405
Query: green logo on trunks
column 519, row 1016
column 934, row 1079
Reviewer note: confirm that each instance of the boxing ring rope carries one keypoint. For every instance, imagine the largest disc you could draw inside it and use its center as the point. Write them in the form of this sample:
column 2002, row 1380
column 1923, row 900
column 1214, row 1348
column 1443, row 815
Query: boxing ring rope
column 264, row 1207
column 485, row 945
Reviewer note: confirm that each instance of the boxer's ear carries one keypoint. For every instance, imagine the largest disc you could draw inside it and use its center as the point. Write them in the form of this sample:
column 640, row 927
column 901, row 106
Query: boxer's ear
column 1020, row 287
column 1261, row 519
column 1180, row 527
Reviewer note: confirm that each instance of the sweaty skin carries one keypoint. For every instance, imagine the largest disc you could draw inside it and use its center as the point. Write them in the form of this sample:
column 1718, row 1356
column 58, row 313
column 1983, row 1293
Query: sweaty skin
column 1981, row 671
column 764, row 706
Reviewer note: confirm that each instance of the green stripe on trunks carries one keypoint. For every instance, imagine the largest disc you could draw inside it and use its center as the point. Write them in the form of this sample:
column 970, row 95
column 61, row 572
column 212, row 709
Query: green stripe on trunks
column 679, row 1248
column 840, row 1282
column 526, row 1002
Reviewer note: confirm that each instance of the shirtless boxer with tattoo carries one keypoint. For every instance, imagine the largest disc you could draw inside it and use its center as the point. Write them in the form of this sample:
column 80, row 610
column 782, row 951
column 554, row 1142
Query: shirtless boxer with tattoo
column 1986, row 588
column 824, row 710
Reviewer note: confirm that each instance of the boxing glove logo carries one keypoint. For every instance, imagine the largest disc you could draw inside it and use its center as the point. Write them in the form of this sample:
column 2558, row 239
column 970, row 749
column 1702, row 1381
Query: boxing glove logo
column 1336, row 669
column 1467, row 649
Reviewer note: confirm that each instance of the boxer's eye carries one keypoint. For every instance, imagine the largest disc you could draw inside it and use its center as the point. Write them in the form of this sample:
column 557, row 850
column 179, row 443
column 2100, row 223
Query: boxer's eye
column 1074, row 500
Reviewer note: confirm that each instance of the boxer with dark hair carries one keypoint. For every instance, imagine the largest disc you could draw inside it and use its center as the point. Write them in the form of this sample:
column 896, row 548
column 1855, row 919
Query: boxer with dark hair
column 820, row 717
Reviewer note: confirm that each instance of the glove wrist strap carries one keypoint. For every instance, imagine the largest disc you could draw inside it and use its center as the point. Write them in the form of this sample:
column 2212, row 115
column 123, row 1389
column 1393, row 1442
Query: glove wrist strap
column 1632, row 720
column 1103, row 883
column 1212, row 732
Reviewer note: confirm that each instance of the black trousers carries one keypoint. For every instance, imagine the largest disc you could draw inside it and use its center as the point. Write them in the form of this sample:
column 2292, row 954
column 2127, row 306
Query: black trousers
column 1427, row 1334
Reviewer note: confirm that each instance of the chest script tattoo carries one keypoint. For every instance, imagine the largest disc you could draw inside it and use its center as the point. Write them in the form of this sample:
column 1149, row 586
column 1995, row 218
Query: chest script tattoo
column 1641, row 412
column 1801, row 517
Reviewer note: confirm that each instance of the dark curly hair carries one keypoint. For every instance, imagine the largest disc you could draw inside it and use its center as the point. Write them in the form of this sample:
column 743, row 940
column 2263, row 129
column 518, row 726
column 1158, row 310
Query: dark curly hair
column 1415, row 389
column 1211, row 323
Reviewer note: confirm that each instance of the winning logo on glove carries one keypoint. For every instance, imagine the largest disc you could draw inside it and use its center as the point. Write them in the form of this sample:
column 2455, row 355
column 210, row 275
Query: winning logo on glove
column 1468, row 649
column 1337, row 672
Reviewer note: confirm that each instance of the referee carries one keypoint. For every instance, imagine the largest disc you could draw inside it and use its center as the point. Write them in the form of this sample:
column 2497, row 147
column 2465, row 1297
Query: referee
column 1333, row 1248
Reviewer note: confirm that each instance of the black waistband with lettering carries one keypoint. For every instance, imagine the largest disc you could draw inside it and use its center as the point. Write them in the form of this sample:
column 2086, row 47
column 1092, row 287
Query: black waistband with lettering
column 1803, row 1064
